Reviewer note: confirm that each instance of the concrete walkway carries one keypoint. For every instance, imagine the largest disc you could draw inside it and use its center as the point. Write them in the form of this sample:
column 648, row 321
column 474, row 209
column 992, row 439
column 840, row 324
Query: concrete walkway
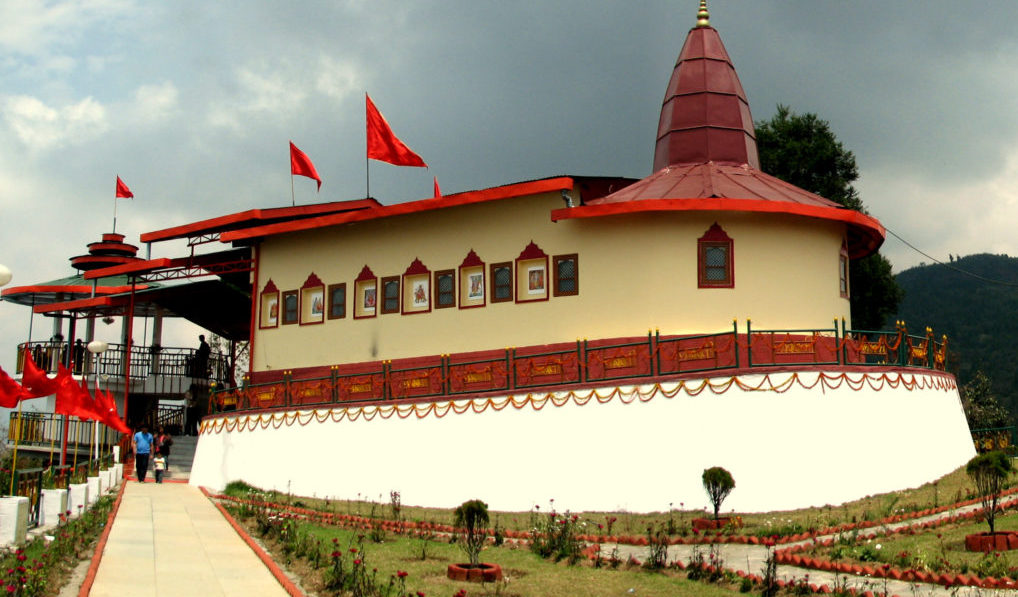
column 170, row 540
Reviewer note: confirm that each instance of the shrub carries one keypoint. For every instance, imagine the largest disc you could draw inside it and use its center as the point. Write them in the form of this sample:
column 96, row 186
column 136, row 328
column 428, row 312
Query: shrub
column 718, row 483
column 989, row 471
column 471, row 516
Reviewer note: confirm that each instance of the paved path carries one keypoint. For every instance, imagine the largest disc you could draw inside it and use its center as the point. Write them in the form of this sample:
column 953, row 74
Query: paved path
column 170, row 540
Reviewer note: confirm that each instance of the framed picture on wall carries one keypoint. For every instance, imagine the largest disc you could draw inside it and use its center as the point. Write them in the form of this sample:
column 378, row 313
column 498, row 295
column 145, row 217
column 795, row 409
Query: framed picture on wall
column 536, row 280
column 476, row 286
column 273, row 306
column 420, row 293
column 317, row 303
column 369, row 298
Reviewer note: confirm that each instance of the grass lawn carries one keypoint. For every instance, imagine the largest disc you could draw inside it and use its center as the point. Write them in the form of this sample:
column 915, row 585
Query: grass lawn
column 951, row 488
column 527, row 575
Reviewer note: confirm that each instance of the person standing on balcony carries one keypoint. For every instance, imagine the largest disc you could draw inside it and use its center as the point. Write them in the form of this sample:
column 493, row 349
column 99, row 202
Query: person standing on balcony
column 78, row 355
column 201, row 359
column 142, row 445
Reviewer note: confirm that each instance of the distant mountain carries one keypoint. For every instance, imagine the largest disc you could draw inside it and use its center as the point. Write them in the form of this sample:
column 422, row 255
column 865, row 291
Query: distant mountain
column 974, row 300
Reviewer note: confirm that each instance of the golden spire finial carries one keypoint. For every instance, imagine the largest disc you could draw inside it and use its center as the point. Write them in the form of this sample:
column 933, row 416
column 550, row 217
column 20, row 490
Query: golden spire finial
column 703, row 16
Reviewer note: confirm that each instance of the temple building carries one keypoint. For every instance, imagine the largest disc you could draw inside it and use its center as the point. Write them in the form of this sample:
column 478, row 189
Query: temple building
column 595, row 340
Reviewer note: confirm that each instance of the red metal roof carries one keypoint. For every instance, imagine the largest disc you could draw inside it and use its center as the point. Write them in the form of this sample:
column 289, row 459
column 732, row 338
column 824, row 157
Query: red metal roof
column 706, row 156
column 705, row 115
column 256, row 217
column 382, row 211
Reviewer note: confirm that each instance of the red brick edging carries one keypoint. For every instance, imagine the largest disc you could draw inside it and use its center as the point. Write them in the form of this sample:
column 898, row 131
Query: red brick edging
column 287, row 584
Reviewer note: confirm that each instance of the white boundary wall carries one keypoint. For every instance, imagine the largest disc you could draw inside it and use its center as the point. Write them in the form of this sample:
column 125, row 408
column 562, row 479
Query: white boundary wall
column 790, row 440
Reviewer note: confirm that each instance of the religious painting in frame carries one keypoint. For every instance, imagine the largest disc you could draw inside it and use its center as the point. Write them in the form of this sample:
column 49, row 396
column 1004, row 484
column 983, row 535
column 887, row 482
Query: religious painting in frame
column 312, row 301
column 532, row 274
column 471, row 282
column 365, row 294
column 269, row 303
column 416, row 288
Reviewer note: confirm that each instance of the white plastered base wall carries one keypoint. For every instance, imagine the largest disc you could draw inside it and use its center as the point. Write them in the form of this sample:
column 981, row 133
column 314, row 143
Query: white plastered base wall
column 790, row 440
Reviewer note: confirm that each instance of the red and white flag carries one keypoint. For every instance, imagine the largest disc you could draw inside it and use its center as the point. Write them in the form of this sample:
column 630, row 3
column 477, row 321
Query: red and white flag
column 300, row 164
column 122, row 190
column 383, row 145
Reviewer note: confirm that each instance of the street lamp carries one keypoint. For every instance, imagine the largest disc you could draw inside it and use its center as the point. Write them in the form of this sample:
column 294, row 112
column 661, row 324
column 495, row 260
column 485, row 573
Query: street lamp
column 5, row 275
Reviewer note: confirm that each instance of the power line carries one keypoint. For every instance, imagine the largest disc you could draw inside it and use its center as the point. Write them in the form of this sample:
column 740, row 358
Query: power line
column 949, row 266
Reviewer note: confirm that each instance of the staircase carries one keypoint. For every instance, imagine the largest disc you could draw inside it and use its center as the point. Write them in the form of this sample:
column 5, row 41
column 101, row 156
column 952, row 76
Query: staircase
column 178, row 467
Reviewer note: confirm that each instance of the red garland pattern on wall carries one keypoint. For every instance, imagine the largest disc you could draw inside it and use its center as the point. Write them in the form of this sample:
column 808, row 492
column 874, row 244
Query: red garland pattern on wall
column 692, row 388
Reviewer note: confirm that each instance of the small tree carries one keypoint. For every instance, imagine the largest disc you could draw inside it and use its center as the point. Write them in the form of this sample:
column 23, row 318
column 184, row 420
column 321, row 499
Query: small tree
column 718, row 483
column 989, row 471
column 471, row 517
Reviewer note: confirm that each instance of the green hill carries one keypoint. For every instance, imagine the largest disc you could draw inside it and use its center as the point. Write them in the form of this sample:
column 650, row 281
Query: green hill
column 977, row 312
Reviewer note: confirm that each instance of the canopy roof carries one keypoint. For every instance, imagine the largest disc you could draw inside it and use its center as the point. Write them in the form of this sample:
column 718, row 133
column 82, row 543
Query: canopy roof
column 69, row 288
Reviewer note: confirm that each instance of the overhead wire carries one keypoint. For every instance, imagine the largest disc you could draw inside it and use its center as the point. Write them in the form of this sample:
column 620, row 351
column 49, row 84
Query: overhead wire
column 948, row 265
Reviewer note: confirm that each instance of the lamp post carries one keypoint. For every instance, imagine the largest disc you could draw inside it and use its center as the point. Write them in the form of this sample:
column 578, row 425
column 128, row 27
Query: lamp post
column 96, row 347
column 5, row 275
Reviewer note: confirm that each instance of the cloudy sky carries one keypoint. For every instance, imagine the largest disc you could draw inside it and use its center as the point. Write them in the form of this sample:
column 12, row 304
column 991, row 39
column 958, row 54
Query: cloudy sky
column 192, row 104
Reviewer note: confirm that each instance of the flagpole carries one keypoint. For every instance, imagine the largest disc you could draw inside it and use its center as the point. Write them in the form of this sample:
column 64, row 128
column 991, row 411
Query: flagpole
column 293, row 198
column 17, row 437
column 367, row 175
column 115, row 211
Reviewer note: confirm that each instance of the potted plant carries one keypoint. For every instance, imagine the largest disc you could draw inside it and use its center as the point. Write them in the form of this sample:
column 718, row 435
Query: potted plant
column 718, row 483
column 989, row 471
column 470, row 518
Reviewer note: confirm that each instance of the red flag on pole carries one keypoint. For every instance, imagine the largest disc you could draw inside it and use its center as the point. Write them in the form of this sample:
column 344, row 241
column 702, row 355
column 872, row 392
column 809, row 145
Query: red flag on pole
column 68, row 393
column 122, row 190
column 438, row 191
column 36, row 383
column 383, row 145
column 300, row 164
column 11, row 391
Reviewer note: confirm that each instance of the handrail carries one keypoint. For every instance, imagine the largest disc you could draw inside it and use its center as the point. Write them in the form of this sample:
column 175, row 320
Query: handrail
column 145, row 360
column 587, row 361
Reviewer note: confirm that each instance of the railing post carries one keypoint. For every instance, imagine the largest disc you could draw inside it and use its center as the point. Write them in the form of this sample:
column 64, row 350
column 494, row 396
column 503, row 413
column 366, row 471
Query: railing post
column 931, row 348
column 749, row 343
column 286, row 387
column 446, row 382
column 386, row 390
column 334, row 382
column 656, row 356
column 581, row 359
column 735, row 343
column 511, row 363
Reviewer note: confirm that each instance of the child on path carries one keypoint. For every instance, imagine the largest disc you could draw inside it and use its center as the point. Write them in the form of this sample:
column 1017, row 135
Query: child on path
column 160, row 466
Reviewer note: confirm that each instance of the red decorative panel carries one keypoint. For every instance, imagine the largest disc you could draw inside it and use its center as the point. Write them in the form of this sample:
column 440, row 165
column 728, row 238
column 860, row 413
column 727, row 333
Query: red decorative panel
column 532, row 251
column 366, row 274
column 471, row 260
column 312, row 282
column 416, row 268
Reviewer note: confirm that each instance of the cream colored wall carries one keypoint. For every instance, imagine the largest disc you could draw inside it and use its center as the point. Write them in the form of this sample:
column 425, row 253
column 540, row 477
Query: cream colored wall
column 637, row 272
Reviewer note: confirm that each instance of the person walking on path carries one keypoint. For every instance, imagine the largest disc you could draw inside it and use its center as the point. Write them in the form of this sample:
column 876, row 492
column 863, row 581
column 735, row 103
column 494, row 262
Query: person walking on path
column 163, row 442
column 159, row 464
column 142, row 445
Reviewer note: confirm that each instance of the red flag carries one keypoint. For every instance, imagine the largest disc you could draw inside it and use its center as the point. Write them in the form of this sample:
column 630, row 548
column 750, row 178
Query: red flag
column 36, row 383
column 300, row 164
column 68, row 393
column 88, row 407
column 122, row 190
column 383, row 144
column 11, row 391
column 438, row 191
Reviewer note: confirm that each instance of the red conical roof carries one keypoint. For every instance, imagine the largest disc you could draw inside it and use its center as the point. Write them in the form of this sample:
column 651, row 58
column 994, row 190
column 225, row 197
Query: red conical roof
column 706, row 157
column 705, row 116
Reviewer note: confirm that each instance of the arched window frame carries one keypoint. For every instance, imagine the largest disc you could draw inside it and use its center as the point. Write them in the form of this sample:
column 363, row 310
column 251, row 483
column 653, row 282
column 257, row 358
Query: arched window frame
column 708, row 270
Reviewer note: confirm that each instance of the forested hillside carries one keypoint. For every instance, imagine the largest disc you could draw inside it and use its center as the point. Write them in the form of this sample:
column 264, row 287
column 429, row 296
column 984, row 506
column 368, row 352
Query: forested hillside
column 979, row 316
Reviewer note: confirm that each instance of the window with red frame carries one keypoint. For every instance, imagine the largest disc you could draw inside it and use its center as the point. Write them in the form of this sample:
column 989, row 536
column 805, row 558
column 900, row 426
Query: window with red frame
column 501, row 282
column 390, row 294
column 715, row 259
column 290, row 307
column 843, row 271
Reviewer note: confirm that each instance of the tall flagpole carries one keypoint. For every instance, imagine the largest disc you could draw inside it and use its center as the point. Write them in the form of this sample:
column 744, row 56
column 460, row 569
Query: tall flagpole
column 17, row 437
column 115, row 210
column 367, row 174
column 293, row 198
